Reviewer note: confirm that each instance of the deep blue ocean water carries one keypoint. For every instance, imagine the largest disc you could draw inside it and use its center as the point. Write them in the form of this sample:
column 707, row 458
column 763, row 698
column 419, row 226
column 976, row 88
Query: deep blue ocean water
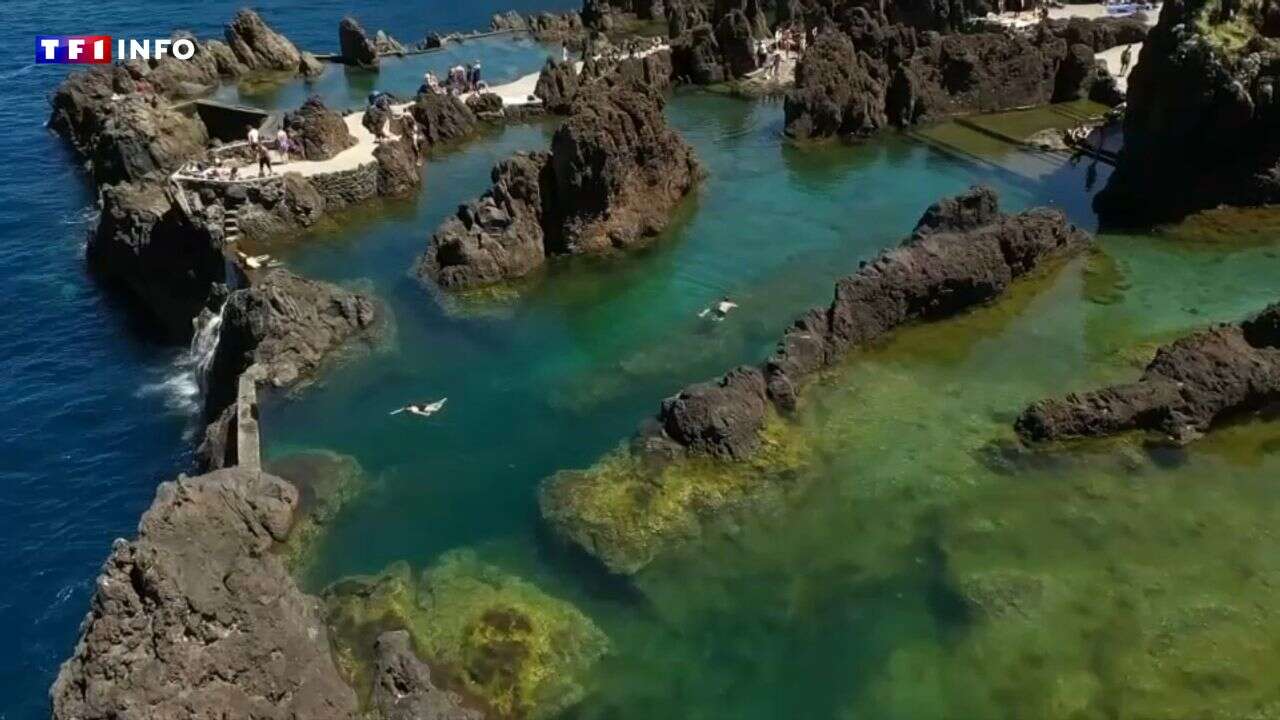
column 93, row 415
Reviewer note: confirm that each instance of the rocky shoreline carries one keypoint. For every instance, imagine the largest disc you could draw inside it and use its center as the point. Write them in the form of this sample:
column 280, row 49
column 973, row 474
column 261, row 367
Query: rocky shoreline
column 723, row 443
column 1192, row 385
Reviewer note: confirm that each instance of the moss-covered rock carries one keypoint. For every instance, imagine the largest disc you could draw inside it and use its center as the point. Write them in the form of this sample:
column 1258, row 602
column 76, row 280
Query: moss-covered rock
column 626, row 511
column 496, row 639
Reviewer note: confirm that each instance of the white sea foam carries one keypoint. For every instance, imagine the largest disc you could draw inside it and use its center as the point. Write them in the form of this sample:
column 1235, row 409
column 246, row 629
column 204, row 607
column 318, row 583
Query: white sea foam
column 183, row 385
column 15, row 73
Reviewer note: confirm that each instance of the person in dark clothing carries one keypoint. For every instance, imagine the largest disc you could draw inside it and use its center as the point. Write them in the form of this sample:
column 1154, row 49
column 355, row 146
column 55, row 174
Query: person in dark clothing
column 264, row 161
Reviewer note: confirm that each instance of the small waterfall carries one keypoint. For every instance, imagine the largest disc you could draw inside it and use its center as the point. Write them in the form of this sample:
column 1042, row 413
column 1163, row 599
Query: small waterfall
column 208, row 328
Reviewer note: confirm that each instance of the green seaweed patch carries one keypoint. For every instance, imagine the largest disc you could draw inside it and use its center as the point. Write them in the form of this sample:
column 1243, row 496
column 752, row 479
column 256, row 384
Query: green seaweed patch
column 326, row 482
column 1231, row 34
column 1233, row 226
column 627, row 512
column 495, row 638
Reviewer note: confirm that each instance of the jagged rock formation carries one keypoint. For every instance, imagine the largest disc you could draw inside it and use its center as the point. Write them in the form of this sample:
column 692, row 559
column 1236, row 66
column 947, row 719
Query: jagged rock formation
column 287, row 326
column 727, row 444
column 387, row 45
column 118, row 116
column 322, row 132
column 160, row 256
column 1202, row 126
column 398, row 170
column 557, row 86
column 258, row 47
column 856, row 83
column 559, row 82
column 614, row 173
column 1190, row 385
column 711, row 44
column 443, row 118
column 963, row 252
column 356, row 47
column 563, row 28
column 1100, row 33
column 196, row 618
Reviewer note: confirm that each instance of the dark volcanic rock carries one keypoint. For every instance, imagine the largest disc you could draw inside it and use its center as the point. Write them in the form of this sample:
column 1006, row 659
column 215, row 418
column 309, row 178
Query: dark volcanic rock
column 963, row 253
column 398, row 170
column 444, row 118
column 1100, row 33
column 711, row 44
column 198, row 602
column 1202, row 126
column 615, row 172
column 557, row 86
column 403, row 689
column 285, row 325
column 486, row 106
column 141, row 137
column 856, row 80
column 151, row 248
column 1189, row 386
column 258, row 47
column 322, row 132
column 497, row 237
column 719, row 418
column 356, row 47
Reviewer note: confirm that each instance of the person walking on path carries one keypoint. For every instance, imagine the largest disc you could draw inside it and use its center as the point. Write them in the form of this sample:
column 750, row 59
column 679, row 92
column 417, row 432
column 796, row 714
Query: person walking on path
column 264, row 161
column 1126, row 58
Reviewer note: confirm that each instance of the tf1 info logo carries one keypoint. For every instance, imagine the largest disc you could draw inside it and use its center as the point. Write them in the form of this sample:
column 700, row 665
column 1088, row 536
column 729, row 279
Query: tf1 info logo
column 100, row 50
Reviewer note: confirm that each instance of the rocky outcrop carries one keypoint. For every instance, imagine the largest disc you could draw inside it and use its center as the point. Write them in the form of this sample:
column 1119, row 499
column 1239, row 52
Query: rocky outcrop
column 287, row 326
column 356, row 47
column 399, row 173
column 963, row 252
column 557, row 86
column 198, row 602
column 1202, row 125
column 1100, row 33
column 142, row 137
column 321, row 132
column 161, row 257
column 614, row 173
column 403, row 689
column 443, row 118
column 258, row 47
column 1191, row 385
column 562, row 28
column 714, row 43
column 387, row 45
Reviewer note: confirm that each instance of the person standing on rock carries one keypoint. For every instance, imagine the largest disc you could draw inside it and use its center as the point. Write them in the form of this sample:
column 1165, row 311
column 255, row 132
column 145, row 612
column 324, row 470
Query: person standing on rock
column 1126, row 58
column 264, row 161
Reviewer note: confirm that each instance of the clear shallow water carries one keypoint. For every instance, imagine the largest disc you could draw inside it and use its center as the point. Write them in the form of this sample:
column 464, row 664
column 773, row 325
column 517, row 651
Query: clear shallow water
column 95, row 414
column 841, row 604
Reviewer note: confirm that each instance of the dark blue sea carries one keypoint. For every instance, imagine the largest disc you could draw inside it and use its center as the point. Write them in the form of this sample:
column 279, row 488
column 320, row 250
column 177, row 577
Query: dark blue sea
column 92, row 413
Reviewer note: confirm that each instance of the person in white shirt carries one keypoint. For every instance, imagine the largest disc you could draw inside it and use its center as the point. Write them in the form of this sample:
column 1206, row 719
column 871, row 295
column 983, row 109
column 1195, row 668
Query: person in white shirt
column 282, row 144
column 253, row 136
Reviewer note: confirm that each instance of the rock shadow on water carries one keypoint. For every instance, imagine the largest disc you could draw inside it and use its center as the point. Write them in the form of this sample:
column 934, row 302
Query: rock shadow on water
column 505, row 646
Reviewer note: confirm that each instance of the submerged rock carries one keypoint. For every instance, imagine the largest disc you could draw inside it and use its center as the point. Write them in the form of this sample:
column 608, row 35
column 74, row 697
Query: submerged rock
column 322, row 132
column 615, row 172
column 1202, row 124
column 197, row 601
column 403, row 688
column 286, row 326
column 499, row 640
column 1191, row 384
column 719, row 445
column 356, row 47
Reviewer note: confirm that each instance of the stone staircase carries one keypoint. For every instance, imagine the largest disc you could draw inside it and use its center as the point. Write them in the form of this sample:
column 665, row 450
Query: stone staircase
column 231, row 227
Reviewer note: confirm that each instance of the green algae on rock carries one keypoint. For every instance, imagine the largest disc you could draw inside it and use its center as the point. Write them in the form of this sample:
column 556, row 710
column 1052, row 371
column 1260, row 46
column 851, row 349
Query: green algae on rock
column 626, row 511
column 498, row 639
column 326, row 481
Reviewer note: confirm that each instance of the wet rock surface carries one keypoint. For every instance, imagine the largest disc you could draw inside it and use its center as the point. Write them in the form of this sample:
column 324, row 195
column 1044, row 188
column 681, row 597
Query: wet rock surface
column 356, row 47
column 403, row 689
column 162, row 258
column 1202, row 126
column 287, row 326
column 614, row 173
column 321, row 132
column 1191, row 385
column 197, row 601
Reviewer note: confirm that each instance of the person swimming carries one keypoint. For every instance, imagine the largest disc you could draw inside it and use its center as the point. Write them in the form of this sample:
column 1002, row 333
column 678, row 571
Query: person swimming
column 720, row 310
column 425, row 410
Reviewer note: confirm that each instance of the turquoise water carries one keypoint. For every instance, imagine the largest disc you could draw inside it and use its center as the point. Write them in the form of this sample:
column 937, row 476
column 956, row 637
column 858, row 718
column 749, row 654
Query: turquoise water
column 95, row 412
column 1151, row 574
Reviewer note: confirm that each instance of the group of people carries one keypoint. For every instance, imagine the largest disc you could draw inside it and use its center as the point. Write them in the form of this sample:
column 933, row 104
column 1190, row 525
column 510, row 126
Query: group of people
column 459, row 81
column 787, row 42
column 259, row 148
